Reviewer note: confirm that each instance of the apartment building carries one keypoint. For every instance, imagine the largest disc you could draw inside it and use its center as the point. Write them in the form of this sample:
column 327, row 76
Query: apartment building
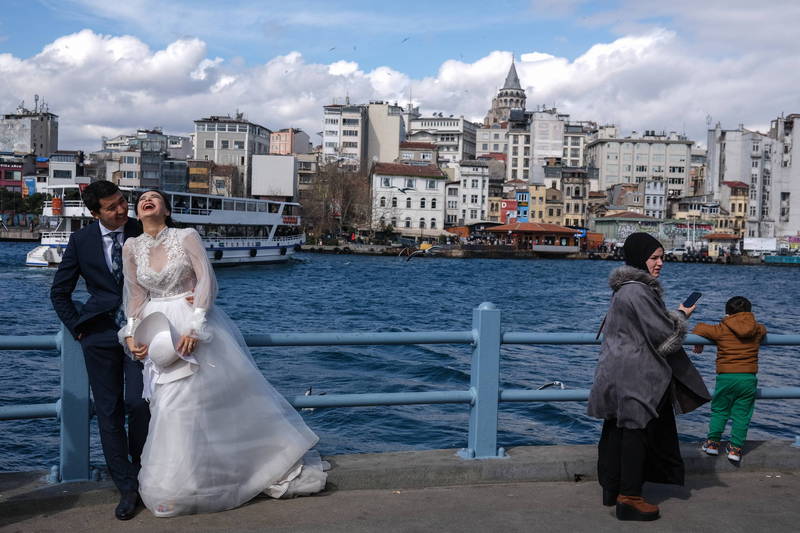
column 289, row 141
column 29, row 131
column 454, row 137
column 637, row 158
column 227, row 140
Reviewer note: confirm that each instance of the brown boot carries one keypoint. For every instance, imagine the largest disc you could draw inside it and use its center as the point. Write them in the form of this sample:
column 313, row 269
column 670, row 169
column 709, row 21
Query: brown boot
column 635, row 508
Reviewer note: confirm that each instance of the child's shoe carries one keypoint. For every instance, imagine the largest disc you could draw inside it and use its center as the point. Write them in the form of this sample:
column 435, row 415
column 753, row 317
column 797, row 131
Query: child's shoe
column 711, row 447
column 734, row 453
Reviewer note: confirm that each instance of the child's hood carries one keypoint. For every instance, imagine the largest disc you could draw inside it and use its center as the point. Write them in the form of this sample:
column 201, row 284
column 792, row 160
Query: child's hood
column 743, row 325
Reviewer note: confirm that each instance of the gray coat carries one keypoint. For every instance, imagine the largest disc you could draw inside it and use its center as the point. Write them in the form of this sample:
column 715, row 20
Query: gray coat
column 642, row 355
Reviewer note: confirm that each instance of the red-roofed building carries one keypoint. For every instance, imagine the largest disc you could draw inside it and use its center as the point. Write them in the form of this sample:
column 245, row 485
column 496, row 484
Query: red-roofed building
column 538, row 237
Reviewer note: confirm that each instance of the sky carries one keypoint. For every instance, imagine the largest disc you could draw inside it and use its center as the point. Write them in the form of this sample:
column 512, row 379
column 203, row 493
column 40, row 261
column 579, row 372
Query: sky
column 107, row 68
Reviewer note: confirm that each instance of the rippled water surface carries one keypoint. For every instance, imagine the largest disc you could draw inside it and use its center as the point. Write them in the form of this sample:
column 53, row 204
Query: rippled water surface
column 346, row 293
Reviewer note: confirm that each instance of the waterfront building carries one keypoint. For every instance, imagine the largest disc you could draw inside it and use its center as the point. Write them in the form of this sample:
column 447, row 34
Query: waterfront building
column 175, row 175
column 553, row 213
column 289, row 141
column 533, row 138
column 522, row 197
column 454, row 137
column 475, row 188
column 637, row 158
column 176, row 147
column 765, row 163
column 227, row 140
column 494, row 215
column 64, row 166
column 206, row 177
column 491, row 140
column 385, row 131
column 29, row 131
column 344, row 135
column 575, row 139
column 697, row 172
column 307, row 166
column 733, row 200
column 654, row 194
column 417, row 153
column 452, row 209
column 510, row 96
column 508, row 211
column 15, row 168
column 618, row 225
column 410, row 198
column 547, row 239
column 625, row 197
column 537, row 203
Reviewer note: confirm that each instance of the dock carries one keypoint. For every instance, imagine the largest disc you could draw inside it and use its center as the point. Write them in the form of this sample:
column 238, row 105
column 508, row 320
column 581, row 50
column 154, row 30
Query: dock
column 537, row 488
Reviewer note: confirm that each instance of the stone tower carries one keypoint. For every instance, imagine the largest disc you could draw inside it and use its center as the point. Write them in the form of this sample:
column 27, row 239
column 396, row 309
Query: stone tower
column 511, row 96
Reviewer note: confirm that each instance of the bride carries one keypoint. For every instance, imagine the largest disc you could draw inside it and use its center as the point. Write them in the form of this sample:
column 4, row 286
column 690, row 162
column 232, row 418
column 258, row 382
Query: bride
column 219, row 433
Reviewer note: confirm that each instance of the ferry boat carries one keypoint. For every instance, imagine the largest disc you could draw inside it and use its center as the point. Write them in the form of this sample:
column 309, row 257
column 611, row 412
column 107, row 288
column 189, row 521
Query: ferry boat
column 234, row 230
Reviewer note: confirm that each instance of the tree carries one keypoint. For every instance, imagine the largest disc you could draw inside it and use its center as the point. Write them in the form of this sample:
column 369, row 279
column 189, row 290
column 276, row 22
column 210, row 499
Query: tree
column 338, row 198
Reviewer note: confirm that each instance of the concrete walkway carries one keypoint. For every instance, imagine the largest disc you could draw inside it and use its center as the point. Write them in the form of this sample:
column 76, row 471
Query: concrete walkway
column 546, row 488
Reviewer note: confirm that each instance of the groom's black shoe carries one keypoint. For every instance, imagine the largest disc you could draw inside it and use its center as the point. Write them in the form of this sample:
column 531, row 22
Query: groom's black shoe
column 126, row 509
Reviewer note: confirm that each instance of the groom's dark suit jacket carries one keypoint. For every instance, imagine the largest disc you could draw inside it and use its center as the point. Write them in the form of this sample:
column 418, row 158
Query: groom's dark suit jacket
column 84, row 257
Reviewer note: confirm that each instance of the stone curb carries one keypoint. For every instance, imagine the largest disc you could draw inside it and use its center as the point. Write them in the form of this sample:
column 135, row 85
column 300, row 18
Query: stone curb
column 29, row 493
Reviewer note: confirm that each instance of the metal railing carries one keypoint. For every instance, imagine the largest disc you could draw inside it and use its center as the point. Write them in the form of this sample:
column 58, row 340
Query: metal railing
column 483, row 395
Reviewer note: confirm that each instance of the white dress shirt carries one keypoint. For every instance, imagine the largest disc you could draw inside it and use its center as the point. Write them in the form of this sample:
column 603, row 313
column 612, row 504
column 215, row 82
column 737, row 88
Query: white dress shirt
column 108, row 243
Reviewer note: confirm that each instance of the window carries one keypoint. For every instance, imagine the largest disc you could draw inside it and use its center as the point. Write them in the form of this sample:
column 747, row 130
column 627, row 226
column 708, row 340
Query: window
column 452, row 204
column 452, row 192
column 346, row 144
column 410, row 183
column 408, row 206
column 350, row 133
column 408, row 219
column 224, row 144
column 422, row 223
column 433, row 203
column 431, row 184
column 433, row 223
column 350, row 122
column 209, row 143
column 394, row 201
column 422, row 203
column 473, row 198
column 383, row 201
column 484, row 147
column 238, row 145
column 62, row 174
column 473, row 213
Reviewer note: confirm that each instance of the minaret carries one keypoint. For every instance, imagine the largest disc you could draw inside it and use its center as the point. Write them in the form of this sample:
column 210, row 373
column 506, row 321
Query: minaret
column 511, row 96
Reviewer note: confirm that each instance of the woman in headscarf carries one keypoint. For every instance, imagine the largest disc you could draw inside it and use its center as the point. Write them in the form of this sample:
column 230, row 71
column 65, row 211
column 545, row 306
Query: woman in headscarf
column 641, row 374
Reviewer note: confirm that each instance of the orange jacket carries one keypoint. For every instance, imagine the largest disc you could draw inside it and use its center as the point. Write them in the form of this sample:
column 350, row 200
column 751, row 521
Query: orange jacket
column 738, row 337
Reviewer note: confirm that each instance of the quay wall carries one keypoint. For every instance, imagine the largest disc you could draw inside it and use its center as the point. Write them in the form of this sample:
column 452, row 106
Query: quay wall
column 28, row 493
column 19, row 235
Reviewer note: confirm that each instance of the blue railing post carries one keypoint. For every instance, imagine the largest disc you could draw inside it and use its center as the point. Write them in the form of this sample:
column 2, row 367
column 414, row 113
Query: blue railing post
column 484, row 384
column 74, row 411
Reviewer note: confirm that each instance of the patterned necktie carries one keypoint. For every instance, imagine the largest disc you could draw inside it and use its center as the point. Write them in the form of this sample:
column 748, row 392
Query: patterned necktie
column 116, row 271
column 116, row 256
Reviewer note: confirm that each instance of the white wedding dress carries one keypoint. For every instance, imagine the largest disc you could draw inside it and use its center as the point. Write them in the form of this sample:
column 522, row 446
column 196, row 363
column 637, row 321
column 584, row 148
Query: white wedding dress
column 222, row 435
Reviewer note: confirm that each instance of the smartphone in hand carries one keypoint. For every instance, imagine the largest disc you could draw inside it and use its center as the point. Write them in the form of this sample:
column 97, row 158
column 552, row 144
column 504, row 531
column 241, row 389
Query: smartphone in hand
column 692, row 299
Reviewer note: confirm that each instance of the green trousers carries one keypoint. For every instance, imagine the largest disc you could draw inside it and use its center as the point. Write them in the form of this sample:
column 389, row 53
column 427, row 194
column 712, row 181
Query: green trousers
column 734, row 398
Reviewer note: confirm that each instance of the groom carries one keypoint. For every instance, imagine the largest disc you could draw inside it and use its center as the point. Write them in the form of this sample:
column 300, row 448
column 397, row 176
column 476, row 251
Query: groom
column 95, row 254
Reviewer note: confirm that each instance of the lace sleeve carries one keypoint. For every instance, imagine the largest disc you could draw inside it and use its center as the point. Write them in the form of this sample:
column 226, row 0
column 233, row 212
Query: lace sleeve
column 205, row 291
column 134, row 296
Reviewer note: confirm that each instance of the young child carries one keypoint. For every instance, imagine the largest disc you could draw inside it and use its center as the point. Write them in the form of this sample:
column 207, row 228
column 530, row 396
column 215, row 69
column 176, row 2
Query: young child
column 738, row 337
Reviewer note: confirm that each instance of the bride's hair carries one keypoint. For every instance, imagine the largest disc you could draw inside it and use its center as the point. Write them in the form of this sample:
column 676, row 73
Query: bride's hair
column 168, row 221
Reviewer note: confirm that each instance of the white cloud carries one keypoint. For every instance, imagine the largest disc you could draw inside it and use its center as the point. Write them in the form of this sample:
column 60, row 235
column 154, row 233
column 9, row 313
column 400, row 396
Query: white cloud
column 104, row 85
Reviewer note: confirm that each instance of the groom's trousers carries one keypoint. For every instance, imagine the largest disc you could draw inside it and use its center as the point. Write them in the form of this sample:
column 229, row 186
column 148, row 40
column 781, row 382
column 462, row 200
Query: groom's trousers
column 116, row 383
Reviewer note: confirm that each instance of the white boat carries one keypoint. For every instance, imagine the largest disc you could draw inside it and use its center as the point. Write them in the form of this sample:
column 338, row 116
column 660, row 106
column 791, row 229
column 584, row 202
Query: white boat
column 235, row 230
